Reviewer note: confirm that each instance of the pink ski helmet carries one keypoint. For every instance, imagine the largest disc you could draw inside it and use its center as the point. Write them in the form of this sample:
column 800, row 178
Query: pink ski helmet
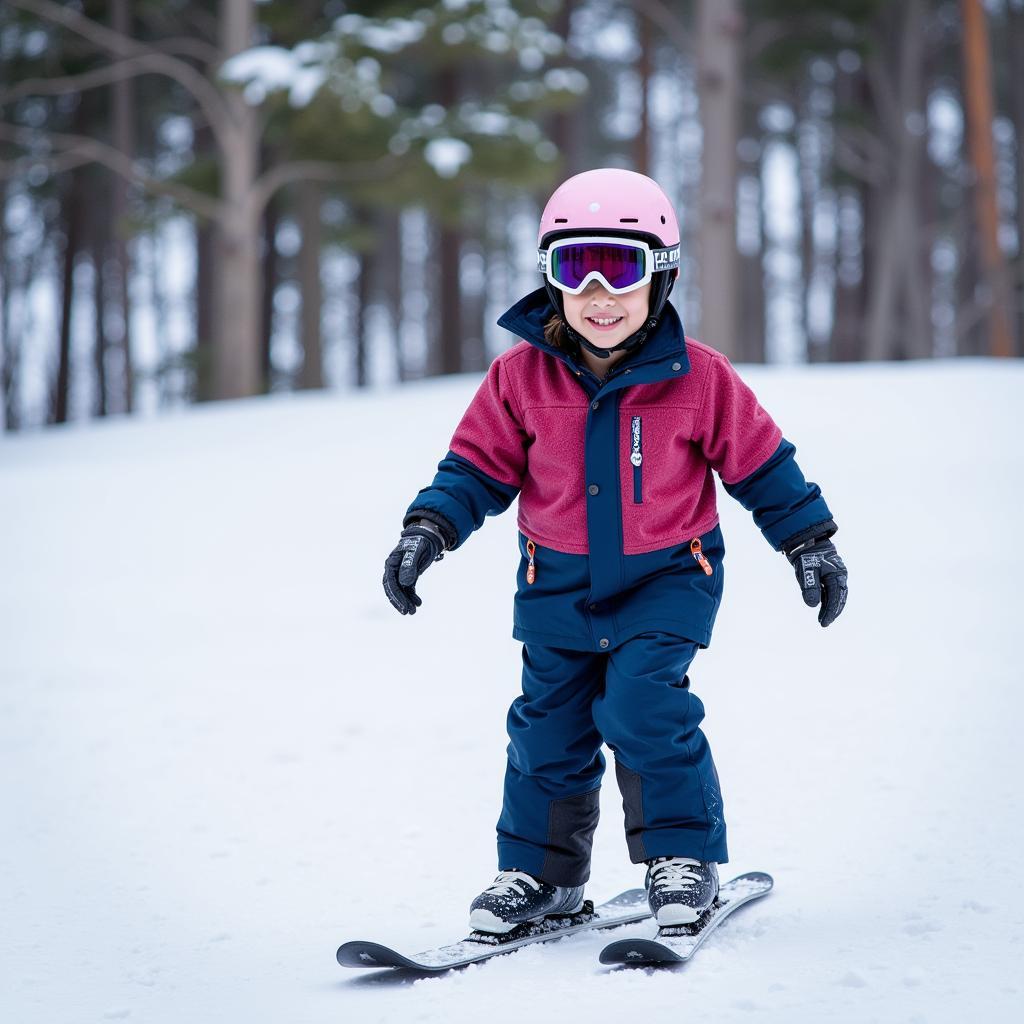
column 610, row 198
column 616, row 202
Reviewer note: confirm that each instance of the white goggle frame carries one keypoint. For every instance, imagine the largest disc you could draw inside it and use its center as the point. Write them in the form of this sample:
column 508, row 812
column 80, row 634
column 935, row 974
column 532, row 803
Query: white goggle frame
column 655, row 260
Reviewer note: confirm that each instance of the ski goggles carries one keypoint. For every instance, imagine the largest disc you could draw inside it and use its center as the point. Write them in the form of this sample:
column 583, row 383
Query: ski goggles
column 620, row 264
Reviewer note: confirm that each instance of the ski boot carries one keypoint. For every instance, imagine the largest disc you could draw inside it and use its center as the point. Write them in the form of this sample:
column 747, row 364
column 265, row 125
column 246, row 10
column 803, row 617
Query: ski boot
column 515, row 897
column 680, row 889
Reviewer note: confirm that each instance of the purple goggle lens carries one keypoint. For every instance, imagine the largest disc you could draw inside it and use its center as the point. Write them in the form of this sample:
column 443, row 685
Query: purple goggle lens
column 622, row 266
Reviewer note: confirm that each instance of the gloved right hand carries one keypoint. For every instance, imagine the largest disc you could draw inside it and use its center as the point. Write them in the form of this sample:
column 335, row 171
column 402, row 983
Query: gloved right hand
column 822, row 576
column 419, row 547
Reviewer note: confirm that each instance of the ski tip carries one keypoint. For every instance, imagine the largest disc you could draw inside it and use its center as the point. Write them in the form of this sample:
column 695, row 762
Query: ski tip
column 370, row 954
column 638, row 952
column 761, row 878
column 629, row 898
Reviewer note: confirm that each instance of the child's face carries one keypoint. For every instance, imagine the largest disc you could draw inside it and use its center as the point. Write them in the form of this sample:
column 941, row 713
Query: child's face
column 628, row 313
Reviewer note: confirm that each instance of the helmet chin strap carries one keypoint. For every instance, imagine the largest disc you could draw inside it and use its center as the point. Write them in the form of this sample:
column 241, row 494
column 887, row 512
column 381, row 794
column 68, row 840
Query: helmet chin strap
column 635, row 340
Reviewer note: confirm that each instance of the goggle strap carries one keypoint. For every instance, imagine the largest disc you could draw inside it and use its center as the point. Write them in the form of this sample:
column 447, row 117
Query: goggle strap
column 666, row 259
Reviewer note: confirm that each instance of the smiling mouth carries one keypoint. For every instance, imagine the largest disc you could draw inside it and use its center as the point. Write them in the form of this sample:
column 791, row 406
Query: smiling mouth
column 604, row 321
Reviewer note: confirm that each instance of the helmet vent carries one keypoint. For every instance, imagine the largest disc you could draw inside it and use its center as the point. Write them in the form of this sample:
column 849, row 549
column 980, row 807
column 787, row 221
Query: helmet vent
column 663, row 218
column 561, row 220
column 629, row 220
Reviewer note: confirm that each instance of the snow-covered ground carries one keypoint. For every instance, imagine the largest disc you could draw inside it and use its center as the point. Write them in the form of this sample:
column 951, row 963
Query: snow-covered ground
column 222, row 753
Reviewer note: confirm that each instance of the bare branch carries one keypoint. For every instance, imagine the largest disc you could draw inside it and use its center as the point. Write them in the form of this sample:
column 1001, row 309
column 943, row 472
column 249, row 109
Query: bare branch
column 319, row 170
column 76, row 83
column 117, row 72
column 12, row 169
column 186, row 46
column 99, row 152
column 204, row 92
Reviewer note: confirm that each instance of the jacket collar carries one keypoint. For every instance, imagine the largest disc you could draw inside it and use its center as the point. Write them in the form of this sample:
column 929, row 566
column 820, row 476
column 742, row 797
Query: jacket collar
column 661, row 357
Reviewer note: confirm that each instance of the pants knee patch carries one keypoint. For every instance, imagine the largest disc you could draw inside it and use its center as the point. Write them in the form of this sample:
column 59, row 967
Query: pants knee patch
column 631, row 787
column 571, row 824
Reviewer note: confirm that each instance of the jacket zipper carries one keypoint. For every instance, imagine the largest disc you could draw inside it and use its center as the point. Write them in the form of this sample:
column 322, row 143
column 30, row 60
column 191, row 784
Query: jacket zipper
column 531, row 569
column 699, row 556
column 636, row 456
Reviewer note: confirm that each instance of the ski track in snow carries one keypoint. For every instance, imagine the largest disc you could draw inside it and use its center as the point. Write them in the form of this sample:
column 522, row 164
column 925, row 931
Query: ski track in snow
column 222, row 753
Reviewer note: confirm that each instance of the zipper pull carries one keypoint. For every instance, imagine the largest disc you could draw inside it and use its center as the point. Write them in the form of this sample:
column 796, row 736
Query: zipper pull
column 531, row 569
column 699, row 555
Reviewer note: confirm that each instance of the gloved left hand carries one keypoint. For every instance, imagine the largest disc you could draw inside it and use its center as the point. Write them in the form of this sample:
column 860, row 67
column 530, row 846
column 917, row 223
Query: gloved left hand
column 821, row 575
column 419, row 547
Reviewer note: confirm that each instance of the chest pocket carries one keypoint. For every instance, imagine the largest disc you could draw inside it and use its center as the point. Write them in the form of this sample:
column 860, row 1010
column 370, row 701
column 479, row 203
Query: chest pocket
column 656, row 452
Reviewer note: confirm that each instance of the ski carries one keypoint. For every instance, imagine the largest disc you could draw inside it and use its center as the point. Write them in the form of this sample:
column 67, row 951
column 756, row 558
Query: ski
column 678, row 944
column 626, row 908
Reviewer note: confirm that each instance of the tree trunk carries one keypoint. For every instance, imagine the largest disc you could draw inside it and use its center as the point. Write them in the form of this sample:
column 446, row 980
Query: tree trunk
column 751, row 343
column 268, row 288
column 204, row 386
column 450, row 342
column 897, row 231
column 566, row 126
column 362, row 300
column 449, row 251
column 1015, row 14
column 309, row 202
column 846, row 343
column 389, row 270
column 99, row 277
column 920, row 272
column 971, row 338
column 73, row 208
column 158, row 304
column 854, row 242
column 8, row 353
column 642, row 143
column 719, row 25
column 750, row 227
column 237, row 335
column 473, row 301
column 978, row 109
column 808, row 133
column 124, row 142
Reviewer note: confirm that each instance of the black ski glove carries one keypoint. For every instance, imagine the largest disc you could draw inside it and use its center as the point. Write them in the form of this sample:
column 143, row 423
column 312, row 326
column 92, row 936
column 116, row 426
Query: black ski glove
column 821, row 575
column 420, row 546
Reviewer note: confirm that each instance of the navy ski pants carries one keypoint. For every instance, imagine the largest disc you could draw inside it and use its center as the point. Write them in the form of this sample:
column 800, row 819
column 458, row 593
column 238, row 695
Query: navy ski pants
column 637, row 699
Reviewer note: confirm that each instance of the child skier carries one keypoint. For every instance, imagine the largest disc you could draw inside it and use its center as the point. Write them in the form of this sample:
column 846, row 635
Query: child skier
column 607, row 422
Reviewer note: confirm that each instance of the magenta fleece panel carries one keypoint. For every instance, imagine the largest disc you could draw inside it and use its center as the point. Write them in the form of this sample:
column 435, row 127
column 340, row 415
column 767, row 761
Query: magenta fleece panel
column 526, row 427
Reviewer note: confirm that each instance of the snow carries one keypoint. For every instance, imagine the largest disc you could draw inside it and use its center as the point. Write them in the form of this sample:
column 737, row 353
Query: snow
column 565, row 79
column 222, row 753
column 389, row 35
column 447, row 155
column 274, row 65
column 266, row 69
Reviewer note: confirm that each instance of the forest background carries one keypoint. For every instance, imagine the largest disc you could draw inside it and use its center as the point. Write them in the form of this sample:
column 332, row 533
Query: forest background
column 212, row 200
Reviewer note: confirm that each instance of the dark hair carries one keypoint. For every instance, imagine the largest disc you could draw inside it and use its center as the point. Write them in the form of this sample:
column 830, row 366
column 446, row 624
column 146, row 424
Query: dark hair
column 555, row 334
